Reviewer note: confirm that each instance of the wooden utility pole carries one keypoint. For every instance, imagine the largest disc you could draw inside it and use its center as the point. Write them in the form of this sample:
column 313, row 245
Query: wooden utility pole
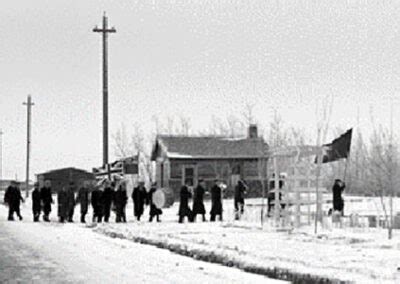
column 29, row 105
column 105, row 31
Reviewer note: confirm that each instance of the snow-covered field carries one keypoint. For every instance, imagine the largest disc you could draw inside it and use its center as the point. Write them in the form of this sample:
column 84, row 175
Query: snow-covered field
column 73, row 253
column 362, row 254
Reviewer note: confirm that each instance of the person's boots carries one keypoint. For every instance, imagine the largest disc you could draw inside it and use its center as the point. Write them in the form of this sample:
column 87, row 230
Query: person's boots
column 158, row 218
column 83, row 219
column 151, row 219
column 204, row 218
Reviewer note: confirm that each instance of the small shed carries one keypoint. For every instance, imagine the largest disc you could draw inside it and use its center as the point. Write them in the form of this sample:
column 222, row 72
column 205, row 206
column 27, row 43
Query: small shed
column 62, row 177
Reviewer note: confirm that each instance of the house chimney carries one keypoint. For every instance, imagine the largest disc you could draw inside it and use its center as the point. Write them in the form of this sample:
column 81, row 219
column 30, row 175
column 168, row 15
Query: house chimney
column 253, row 131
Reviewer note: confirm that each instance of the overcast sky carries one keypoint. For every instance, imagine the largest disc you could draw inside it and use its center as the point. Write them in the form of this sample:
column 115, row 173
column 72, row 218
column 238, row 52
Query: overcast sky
column 191, row 58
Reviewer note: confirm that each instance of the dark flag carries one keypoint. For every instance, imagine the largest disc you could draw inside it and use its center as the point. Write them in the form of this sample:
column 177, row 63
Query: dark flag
column 339, row 148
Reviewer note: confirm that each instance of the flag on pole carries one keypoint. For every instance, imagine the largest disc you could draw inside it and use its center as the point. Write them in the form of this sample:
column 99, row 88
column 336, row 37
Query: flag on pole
column 338, row 148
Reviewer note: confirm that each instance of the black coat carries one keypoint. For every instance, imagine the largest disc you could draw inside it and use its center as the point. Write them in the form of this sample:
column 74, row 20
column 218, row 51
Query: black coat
column 36, row 200
column 240, row 191
column 198, row 200
column 185, row 195
column 45, row 195
column 153, row 209
column 338, row 202
column 120, row 199
column 83, row 199
column 62, row 200
column 96, row 200
column 216, row 200
column 139, row 197
column 13, row 196
column 108, row 197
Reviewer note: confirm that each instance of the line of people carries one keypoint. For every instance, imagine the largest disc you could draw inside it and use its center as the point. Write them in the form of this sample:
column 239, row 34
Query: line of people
column 107, row 197
column 111, row 196
column 216, row 192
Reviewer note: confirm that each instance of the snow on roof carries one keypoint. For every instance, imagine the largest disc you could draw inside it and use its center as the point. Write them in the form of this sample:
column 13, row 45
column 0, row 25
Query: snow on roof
column 209, row 147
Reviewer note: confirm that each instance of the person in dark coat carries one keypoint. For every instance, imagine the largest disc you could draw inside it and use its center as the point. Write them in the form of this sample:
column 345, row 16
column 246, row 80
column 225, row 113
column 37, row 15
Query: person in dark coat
column 107, row 198
column 83, row 200
column 120, row 201
column 47, row 200
column 240, row 191
column 13, row 198
column 71, row 201
column 198, row 200
column 184, row 210
column 36, row 202
column 62, row 200
column 97, row 204
column 337, row 190
column 139, row 196
column 154, row 211
column 216, row 202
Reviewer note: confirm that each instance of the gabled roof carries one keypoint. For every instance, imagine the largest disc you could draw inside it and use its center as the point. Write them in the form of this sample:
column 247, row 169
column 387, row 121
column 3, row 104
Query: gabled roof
column 63, row 170
column 204, row 147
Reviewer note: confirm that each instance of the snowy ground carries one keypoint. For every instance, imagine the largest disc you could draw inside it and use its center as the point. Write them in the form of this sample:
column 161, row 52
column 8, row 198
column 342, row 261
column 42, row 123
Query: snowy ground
column 362, row 255
column 72, row 253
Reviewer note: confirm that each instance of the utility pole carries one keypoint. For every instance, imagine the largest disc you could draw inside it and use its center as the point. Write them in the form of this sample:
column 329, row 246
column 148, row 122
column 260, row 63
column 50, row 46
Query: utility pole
column 29, row 105
column 105, row 30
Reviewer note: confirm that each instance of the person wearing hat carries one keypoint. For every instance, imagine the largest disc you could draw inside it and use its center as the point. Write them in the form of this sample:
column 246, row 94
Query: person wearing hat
column 71, row 201
column 108, row 198
column 97, row 204
column 139, row 196
column 13, row 198
column 83, row 200
column 120, row 201
column 154, row 211
column 337, row 190
column 240, row 191
column 47, row 200
column 184, row 210
column 216, row 201
column 62, row 202
column 198, row 200
column 36, row 202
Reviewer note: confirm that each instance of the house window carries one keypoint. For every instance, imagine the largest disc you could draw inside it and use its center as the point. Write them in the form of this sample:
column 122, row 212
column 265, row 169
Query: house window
column 188, row 175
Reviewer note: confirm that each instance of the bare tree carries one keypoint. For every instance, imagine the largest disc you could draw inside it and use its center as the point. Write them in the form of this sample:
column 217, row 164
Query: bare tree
column 383, row 172
column 122, row 146
column 248, row 114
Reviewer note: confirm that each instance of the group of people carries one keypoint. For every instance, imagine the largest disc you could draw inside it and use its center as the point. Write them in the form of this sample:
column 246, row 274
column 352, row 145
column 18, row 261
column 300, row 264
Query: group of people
column 216, row 192
column 112, row 196
column 104, row 198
